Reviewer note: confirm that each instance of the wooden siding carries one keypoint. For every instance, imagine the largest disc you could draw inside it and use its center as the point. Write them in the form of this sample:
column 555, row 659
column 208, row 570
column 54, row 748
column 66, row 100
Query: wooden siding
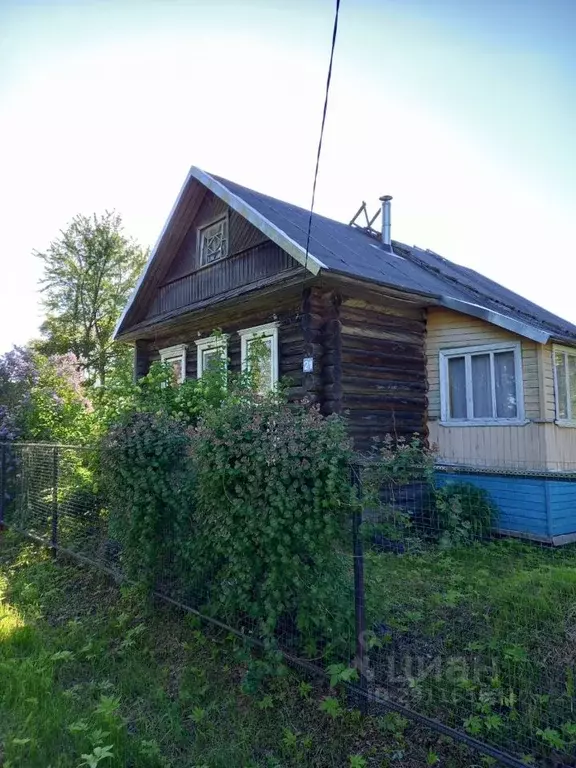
column 561, row 447
column 241, row 236
column 532, row 446
column 383, row 380
column 243, row 269
column 542, row 508
column 521, row 502
column 562, row 502
column 547, row 383
column 494, row 446
column 448, row 330
column 251, row 258
column 540, row 444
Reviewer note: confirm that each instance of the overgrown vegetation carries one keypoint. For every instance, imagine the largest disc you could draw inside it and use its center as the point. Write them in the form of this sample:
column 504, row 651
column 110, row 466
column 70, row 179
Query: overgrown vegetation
column 273, row 500
column 480, row 636
column 246, row 508
column 91, row 676
column 147, row 481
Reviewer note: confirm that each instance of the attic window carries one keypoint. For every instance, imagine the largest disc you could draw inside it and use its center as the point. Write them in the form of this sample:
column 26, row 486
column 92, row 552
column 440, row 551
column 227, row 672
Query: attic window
column 213, row 241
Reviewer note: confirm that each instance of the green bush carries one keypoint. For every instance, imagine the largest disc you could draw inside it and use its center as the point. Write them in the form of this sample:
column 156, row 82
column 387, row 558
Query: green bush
column 463, row 512
column 273, row 499
column 147, row 479
column 159, row 392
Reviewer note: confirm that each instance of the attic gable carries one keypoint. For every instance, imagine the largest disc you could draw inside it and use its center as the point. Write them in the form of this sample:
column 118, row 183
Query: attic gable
column 202, row 197
column 247, row 260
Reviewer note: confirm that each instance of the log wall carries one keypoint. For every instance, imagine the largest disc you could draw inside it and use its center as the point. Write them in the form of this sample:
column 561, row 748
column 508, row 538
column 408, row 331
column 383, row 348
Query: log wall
column 381, row 354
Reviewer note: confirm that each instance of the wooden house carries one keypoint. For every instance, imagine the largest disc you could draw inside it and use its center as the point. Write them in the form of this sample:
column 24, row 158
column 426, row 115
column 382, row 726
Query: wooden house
column 396, row 337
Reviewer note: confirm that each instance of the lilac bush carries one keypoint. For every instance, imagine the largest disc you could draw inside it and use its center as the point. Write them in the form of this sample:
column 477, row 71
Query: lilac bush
column 42, row 398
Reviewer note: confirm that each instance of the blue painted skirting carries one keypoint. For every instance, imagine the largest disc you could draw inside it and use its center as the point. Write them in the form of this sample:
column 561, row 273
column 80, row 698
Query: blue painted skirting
column 539, row 507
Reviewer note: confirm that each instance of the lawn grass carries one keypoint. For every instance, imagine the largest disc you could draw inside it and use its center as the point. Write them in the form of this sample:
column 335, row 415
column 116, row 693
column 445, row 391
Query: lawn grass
column 90, row 674
column 482, row 637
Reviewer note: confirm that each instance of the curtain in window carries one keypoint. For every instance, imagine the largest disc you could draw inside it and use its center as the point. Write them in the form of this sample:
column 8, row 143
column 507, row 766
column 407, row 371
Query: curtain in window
column 572, row 384
column 481, row 387
column 560, row 363
column 176, row 363
column 457, row 387
column 505, row 382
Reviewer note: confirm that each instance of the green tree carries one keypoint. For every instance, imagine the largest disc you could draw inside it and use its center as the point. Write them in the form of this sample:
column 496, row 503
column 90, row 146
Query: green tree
column 89, row 274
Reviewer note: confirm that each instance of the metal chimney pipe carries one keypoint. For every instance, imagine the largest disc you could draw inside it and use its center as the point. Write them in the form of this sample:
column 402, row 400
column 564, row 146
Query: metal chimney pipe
column 386, row 220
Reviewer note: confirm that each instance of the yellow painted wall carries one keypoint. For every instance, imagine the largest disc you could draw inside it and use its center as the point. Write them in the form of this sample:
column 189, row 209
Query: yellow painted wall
column 447, row 330
column 541, row 444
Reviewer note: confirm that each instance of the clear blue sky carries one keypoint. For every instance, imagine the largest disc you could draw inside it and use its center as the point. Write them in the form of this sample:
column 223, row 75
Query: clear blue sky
column 464, row 110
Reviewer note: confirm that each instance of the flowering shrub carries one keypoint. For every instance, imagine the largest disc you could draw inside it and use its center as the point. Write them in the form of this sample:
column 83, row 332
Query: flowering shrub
column 8, row 429
column 157, row 392
column 43, row 398
column 58, row 409
column 272, row 502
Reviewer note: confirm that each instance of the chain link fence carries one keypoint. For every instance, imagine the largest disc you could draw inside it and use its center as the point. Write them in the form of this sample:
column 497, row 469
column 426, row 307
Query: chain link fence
column 459, row 610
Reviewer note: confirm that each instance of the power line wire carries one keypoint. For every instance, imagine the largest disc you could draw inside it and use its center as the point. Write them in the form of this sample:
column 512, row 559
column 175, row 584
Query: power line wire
column 329, row 78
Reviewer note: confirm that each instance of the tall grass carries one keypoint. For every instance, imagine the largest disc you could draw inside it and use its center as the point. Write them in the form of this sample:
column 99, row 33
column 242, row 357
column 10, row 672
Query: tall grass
column 91, row 675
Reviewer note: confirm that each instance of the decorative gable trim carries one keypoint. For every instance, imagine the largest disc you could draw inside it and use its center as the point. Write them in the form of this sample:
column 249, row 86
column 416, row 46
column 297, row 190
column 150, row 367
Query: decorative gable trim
column 271, row 231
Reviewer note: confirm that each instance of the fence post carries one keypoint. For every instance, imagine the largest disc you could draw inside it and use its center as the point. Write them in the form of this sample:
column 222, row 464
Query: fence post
column 54, row 535
column 359, row 594
column 2, row 483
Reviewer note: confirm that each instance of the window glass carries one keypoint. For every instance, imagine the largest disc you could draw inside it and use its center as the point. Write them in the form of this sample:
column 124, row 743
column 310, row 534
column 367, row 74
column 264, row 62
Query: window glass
column 176, row 363
column 572, row 384
column 482, row 384
column 505, row 382
column 210, row 359
column 214, row 242
column 264, row 361
column 562, row 405
column 457, row 387
column 481, row 387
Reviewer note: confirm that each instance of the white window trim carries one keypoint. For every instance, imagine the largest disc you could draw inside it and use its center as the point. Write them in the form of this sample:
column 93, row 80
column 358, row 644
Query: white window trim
column 173, row 353
column 219, row 343
column 200, row 236
column 446, row 354
column 569, row 422
column 270, row 330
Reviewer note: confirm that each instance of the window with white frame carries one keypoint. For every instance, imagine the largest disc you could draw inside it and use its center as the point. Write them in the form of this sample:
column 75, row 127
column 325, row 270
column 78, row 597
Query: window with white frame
column 482, row 385
column 265, row 354
column 176, row 357
column 211, row 352
column 565, row 383
column 213, row 241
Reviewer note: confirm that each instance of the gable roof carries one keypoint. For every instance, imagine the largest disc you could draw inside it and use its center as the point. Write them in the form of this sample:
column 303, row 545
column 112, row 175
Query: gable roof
column 338, row 248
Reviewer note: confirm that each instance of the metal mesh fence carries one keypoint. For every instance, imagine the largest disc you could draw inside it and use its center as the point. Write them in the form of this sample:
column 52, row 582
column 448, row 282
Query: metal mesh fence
column 452, row 592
